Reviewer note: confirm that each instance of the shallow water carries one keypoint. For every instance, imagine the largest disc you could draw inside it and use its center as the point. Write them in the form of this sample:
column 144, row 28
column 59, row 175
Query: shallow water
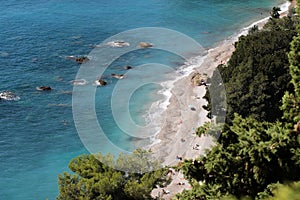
column 38, row 136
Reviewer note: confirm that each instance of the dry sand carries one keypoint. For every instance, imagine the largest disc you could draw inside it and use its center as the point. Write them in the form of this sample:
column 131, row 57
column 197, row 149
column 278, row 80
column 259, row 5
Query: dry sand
column 177, row 137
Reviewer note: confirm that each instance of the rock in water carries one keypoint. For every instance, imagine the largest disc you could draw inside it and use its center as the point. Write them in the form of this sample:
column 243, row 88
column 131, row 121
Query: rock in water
column 118, row 76
column 44, row 88
column 81, row 60
column 127, row 67
column 101, row 82
column 145, row 45
column 9, row 96
column 118, row 44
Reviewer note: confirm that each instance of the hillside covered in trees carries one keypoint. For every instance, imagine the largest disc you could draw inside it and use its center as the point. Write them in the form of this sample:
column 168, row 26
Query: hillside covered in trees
column 258, row 153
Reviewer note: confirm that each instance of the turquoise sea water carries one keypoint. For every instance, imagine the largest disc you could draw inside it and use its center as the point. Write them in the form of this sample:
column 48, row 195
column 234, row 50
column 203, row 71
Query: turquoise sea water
column 37, row 135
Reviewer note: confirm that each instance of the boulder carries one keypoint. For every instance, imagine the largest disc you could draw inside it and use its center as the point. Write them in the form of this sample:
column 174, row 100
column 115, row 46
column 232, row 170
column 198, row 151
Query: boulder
column 44, row 88
column 197, row 79
column 127, row 67
column 145, row 45
column 82, row 59
column 101, row 82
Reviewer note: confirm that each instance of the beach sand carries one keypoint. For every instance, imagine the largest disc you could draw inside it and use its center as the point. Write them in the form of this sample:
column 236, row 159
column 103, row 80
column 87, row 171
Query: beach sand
column 177, row 136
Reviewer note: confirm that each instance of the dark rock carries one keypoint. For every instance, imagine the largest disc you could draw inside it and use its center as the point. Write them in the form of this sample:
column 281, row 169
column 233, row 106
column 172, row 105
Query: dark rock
column 127, row 67
column 101, row 82
column 81, row 60
column 44, row 88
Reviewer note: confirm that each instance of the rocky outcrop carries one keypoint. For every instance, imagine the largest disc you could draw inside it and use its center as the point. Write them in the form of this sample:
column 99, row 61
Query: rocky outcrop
column 198, row 79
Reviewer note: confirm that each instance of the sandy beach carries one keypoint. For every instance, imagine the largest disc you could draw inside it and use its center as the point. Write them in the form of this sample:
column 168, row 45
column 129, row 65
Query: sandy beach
column 177, row 137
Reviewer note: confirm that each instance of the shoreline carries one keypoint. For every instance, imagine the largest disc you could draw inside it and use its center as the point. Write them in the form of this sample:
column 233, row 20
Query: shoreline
column 191, row 65
column 181, row 122
column 177, row 137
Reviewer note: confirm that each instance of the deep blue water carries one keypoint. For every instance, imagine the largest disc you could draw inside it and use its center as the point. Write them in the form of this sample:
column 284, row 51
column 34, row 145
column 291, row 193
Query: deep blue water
column 38, row 137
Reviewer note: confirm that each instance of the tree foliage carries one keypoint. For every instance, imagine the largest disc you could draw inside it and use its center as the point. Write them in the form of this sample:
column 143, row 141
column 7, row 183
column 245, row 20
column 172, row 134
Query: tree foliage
column 257, row 155
column 275, row 12
column 263, row 153
column 290, row 191
column 257, row 74
column 291, row 101
column 286, row 191
column 259, row 149
column 93, row 179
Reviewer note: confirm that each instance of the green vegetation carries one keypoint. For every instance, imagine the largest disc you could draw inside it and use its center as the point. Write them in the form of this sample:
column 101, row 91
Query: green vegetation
column 113, row 180
column 291, row 100
column 278, row 191
column 258, row 154
column 275, row 12
column 290, row 192
column 262, row 153
column 257, row 75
